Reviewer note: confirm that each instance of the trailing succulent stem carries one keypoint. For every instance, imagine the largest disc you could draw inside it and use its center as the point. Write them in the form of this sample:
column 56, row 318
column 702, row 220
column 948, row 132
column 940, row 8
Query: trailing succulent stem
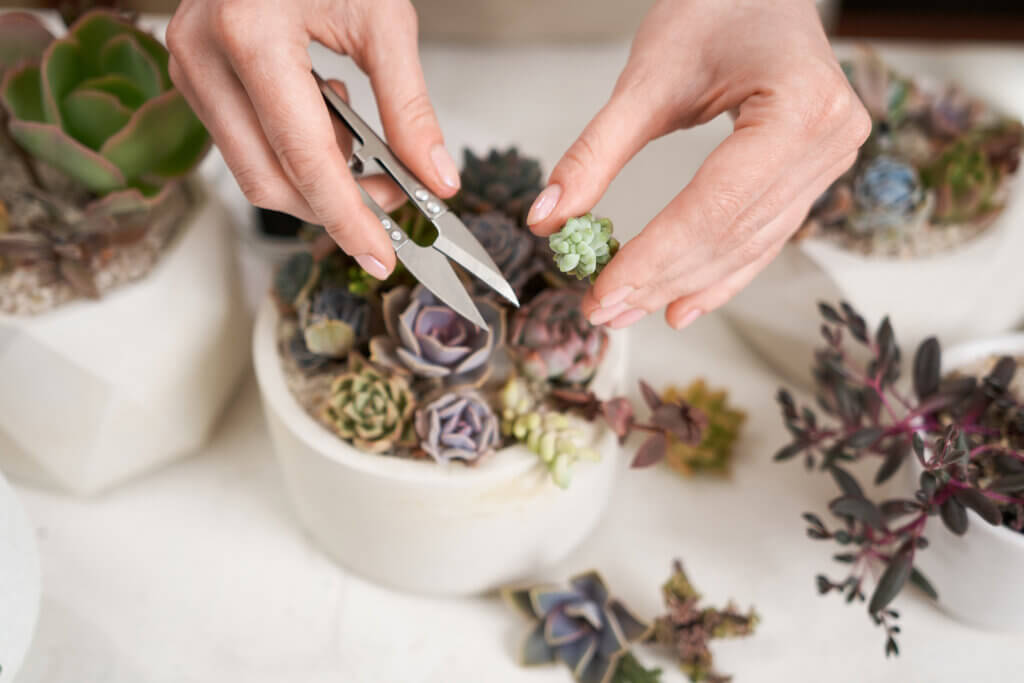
column 966, row 434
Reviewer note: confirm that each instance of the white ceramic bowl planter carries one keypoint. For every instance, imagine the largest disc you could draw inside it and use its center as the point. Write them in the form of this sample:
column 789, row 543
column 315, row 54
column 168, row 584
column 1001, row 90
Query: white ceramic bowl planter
column 19, row 583
column 979, row 285
column 95, row 392
column 424, row 527
column 977, row 575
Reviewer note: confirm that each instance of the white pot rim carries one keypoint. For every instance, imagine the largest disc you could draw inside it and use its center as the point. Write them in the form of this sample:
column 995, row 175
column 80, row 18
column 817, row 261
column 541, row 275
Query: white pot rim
column 507, row 463
column 957, row 357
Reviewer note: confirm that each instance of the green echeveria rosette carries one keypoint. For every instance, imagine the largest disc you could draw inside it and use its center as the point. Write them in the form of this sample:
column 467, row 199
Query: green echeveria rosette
column 458, row 425
column 371, row 408
column 583, row 246
column 99, row 106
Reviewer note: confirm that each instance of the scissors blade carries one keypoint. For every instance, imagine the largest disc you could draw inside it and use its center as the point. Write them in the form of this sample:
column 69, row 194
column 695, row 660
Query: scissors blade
column 432, row 269
column 455, row 241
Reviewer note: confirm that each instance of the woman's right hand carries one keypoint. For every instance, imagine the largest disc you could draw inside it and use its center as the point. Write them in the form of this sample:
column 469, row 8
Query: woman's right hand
column 244, row 67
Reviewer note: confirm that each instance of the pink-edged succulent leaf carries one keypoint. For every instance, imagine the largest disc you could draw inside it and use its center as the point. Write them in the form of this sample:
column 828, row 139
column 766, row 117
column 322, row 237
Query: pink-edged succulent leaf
column 131, row 201
column 651, row 451
column 117, row 85
column 50, row 144
column 96, row 28
column 22, row 38
column 62, row 70
column 630, row 626
column 92, row 116
column 162, row 137
column 22, row 93
column 123, row 55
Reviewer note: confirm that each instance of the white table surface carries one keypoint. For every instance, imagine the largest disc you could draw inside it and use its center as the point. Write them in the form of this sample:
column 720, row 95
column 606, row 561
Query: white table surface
column 199, row 572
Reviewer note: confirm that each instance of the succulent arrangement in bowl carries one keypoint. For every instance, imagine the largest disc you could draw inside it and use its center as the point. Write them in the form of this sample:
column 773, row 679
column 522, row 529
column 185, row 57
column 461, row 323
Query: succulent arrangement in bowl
column 389, row 368
column 957, row 431
column 934, row 172
column 96, row 144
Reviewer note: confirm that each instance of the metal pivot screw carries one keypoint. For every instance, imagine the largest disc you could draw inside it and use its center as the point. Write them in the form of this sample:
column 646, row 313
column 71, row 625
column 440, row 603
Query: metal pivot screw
column 396, row 235
column 433, row 207
column 386, row 223
column 421, row 194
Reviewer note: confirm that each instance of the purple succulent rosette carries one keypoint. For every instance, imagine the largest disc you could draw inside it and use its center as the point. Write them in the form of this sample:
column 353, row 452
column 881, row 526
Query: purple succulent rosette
column 428, row 339
column 582, row 625
column 552, row 341
column 511, row 246
column 458, row 425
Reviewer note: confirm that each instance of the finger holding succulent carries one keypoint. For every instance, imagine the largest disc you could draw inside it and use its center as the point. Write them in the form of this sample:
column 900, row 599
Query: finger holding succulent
column 797, row 127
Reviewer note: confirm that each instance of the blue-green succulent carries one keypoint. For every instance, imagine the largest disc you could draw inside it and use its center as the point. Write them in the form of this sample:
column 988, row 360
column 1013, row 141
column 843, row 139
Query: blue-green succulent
column 583, row 246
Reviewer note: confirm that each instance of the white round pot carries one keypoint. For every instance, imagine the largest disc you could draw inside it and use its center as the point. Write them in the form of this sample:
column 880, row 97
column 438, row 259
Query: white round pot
column 19, row 583
column 970, row 291
column 977, row 575
column 96, row 392
column 428, row 528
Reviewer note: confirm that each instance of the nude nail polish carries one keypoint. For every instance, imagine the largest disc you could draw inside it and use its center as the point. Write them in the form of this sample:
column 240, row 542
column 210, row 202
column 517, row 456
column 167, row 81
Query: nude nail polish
column 372, row 266
column 628, row 318
column 616, row 296
column 544, row 204
column 688, row 319
column 603, row 315
column 445, row 166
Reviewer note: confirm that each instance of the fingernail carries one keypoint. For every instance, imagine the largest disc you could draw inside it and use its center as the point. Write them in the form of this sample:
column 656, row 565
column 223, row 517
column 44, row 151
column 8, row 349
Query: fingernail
column 544, row 204
column 616, row 296
column 628, row 318
column 372, row 266
column 603, row 315
column 688, row 319
column 445, row 166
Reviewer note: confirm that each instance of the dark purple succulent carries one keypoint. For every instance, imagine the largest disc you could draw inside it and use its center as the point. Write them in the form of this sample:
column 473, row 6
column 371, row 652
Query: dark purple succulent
column 428, row 339
column 510, row 245
column 458, row 425
column 585, row 628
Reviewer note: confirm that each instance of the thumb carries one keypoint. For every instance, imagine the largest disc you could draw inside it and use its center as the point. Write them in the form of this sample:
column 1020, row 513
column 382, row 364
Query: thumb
column 580, row 179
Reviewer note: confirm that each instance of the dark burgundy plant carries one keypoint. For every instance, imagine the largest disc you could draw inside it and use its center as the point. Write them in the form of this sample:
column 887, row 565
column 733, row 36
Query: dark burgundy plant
column 966, row 433
column 668, row 419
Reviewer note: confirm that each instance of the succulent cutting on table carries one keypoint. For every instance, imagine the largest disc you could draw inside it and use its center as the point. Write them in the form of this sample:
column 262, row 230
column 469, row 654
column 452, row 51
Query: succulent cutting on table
column 934, row 173
column 96, row 141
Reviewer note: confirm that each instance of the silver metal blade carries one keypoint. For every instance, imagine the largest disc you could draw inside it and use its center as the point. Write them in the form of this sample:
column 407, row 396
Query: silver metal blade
column 432, row 269
column 456, row 241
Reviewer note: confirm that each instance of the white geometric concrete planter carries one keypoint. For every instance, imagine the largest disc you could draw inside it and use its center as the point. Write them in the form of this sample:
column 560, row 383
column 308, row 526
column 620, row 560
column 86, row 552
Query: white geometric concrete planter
column 428, row 528
column 96, row 392
column 19, row 583
column 977, row 575
column 974, row 290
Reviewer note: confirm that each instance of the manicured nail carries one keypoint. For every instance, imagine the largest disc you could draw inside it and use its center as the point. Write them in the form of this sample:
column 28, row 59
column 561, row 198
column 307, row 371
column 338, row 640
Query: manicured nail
column 688, row 319
column 628, row 318
column 544, row 204
column 603, row 315
column 445, row 166
column 372, row 266
column 616, row 296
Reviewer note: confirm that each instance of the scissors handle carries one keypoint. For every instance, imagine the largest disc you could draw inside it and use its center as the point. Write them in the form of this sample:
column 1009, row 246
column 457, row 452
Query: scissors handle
column 374, row 149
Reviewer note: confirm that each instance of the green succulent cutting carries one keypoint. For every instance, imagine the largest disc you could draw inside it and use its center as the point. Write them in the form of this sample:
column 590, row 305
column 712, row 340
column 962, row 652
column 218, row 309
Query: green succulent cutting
column 583, row 246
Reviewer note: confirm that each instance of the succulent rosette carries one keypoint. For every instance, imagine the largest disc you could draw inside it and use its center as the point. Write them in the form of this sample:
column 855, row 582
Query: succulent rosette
column 511, row 246
column 499, row 181
column 99, row 106
column 459, row 425
column 334, row 321
column 582, row 625
column 583, row 246
column 887, row 194
column 428, row 339
column 371, row 407
column 553, row 341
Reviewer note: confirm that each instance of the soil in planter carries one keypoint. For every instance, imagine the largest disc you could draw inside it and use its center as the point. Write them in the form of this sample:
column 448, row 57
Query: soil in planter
column 51, row 253
column 934, row 174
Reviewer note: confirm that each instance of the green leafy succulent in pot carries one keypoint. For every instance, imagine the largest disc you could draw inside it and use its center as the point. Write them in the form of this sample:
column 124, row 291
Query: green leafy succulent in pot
column 100, row 106
column 501, row 181
column 552, row 341
column 581, row 625
column 371, row 407
column 458, row 425
column 429, row 340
